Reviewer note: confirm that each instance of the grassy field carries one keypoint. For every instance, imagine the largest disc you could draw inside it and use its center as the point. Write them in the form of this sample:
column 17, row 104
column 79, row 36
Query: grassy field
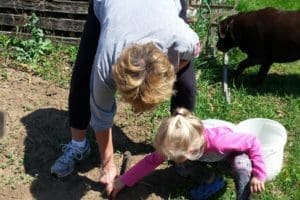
column 278, row 98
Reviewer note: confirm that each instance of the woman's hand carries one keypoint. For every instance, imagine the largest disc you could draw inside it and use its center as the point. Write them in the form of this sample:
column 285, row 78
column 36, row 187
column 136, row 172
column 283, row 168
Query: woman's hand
column 107, row 177
column 256, row 185
column 117, row 187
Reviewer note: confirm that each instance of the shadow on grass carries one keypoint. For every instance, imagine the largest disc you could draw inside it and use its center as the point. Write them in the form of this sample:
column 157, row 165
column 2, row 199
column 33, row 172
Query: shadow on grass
column 46, row 130
column 274, row 84
column 277, row 84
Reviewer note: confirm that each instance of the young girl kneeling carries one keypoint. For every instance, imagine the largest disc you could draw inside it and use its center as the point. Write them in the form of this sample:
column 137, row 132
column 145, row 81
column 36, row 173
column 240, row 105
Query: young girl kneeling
column 185, row 137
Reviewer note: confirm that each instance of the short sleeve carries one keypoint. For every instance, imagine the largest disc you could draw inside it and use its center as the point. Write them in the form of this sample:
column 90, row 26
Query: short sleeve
column 187, row 44
column 102, row 103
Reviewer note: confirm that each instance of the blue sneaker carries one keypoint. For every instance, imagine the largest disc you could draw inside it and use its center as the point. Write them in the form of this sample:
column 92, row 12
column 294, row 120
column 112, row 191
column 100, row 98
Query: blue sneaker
column 203, row 192
column 64, row 165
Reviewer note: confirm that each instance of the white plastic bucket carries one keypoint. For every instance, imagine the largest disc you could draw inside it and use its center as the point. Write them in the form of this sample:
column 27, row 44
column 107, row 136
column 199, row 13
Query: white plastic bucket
column 272, row 136
column 217, row 122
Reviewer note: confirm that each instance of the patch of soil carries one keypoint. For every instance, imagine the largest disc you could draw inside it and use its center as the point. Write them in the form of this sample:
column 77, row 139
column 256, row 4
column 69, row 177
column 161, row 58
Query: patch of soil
column 37, row 124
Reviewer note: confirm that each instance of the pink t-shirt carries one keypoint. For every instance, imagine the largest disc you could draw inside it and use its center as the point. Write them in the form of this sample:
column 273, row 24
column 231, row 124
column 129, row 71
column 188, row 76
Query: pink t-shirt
column 220, row 142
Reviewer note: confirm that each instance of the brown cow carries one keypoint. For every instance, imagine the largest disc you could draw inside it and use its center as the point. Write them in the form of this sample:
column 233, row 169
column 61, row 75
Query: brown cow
column 266, row 36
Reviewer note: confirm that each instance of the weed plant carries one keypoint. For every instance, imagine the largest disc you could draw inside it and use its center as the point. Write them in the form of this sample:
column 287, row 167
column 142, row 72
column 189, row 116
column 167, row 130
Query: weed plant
column 38, row 55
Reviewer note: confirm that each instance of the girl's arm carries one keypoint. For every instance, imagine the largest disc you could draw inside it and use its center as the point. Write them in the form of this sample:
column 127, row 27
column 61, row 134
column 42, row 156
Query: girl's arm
column 252, row 147
column 142, row 168
column 225, row 141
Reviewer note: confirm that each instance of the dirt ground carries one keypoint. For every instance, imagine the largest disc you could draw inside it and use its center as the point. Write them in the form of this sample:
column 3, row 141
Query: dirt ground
column 37, row 124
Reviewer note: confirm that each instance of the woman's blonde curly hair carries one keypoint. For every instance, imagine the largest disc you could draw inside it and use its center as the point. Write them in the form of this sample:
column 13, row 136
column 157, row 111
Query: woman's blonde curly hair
column 144, row 76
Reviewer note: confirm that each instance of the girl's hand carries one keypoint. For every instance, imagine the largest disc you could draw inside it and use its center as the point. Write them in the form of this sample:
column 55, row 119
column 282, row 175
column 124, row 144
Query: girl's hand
column 256, row 185
column 117, row 187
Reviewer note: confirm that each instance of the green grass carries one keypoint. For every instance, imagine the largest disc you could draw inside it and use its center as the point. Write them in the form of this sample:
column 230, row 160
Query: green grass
column 38, row 56
column 245, row 5
column 248, row 102
column 277, row 99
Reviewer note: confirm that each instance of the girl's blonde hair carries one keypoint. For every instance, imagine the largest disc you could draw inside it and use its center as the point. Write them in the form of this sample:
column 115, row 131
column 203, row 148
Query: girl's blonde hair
column 144, row 76
column 179, row 133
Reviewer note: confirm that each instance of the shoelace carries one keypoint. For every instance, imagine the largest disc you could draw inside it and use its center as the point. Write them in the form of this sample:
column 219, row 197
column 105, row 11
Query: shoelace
column 70, row 152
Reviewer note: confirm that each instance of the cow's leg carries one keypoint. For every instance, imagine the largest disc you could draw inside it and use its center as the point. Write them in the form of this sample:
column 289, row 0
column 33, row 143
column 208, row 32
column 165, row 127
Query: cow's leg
column 243, row 65
column 263, row 72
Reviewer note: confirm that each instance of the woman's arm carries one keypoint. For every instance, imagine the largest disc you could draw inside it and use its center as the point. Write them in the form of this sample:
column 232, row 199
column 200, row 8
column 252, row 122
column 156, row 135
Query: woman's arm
column 185, row 63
